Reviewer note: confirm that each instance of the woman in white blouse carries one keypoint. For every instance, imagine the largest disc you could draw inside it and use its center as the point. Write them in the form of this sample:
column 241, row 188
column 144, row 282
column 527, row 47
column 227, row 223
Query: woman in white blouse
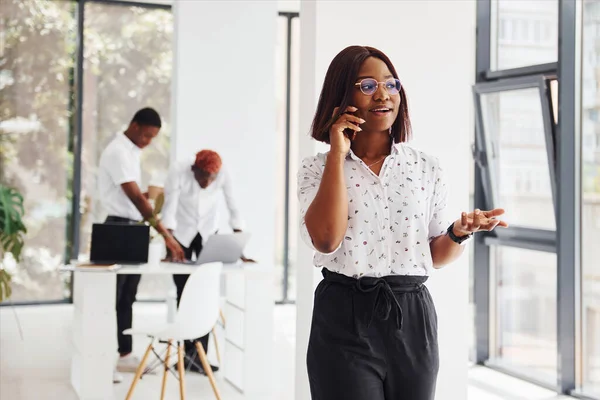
column 373, row 209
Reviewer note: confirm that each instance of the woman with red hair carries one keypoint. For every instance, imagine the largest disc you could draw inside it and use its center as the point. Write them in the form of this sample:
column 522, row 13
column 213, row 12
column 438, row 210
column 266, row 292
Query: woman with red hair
column 191, row 213
column 206, row 167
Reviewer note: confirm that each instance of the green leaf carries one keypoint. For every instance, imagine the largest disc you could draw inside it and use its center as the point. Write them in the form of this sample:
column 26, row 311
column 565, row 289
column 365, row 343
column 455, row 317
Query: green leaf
column 5, row 290
column 12, row 229
column 13, row 244
column 11, row 211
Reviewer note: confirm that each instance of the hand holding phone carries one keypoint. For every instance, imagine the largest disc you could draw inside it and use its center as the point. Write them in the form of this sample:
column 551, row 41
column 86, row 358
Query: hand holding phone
column 344, row 129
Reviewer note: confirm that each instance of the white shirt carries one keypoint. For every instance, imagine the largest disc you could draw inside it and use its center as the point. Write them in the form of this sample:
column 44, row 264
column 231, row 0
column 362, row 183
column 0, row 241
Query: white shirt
column 120, row 163
column 189, row 209
column 392, row 217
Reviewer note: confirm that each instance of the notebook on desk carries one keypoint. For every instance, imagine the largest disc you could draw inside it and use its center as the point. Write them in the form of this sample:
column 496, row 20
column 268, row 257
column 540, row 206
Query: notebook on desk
column 96, row 267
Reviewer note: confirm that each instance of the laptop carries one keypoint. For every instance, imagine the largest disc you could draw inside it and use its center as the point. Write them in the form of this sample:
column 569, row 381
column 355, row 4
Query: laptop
column 226, row 248
column 114, row 243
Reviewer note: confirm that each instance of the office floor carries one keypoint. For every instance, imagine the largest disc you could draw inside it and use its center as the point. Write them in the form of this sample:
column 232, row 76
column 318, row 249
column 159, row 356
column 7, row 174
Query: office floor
column 37, row 366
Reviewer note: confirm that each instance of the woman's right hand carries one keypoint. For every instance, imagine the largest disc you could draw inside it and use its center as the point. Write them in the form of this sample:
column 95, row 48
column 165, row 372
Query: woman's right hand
column 340, row 142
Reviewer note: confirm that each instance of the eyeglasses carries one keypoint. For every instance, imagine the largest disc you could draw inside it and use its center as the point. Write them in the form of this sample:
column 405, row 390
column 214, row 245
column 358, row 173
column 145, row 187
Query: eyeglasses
column 369, row 86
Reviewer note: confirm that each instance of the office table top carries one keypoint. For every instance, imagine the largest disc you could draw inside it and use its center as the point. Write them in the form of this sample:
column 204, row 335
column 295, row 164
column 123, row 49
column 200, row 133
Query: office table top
column 158, row 269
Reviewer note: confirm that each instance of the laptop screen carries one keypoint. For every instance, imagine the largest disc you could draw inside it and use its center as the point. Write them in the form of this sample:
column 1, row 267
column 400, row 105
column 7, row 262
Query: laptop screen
column 120, row 243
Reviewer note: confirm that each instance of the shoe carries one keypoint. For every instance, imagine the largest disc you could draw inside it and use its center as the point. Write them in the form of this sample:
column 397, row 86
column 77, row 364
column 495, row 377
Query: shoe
column 129, row 363
column 117, row 377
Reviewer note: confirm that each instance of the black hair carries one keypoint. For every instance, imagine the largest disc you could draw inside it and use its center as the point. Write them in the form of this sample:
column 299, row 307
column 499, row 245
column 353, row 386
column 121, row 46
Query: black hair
column 147, row 117
column 337, row 92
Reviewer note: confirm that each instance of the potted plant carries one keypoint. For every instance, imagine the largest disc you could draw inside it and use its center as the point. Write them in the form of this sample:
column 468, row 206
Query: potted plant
column 12, row 233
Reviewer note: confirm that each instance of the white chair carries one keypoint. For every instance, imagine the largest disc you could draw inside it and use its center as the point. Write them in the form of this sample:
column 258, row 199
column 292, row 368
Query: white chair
column 197, row 315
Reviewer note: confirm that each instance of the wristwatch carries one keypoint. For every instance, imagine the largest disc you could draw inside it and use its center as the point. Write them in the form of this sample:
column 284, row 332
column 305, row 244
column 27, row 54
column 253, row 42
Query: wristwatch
column 457, row 239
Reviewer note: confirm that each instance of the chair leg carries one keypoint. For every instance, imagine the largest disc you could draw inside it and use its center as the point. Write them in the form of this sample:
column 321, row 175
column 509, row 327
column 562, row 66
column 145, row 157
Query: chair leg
column 140, row 370
column 222, row 317
column 166, row 373
column 181, row 370
column 208, row 369
column 216, row 345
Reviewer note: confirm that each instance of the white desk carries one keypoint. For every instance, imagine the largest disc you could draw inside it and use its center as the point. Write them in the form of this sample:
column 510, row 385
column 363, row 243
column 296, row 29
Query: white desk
column 249, row 329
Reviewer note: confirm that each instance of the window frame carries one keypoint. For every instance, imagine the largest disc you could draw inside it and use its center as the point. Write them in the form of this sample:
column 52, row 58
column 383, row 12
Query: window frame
column 566, row 241
column 540, row 82
column 75, row 143
column 289, row 16
column 523, row 237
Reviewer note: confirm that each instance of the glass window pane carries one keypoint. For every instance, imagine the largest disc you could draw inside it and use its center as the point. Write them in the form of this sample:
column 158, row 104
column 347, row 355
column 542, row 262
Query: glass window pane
column 526, row 311
column 280, row 96
column 294, row 161
column 127, row 66
column 37, row 39
column 590, row 226
column 281, row 64
column 517, row 157
column 526, row 33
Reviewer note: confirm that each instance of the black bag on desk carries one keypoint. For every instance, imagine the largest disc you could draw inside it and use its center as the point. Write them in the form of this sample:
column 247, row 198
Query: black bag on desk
column 114, row 243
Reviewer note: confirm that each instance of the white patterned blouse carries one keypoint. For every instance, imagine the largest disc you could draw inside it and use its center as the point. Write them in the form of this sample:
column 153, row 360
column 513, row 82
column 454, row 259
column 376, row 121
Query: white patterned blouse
column 392, row 217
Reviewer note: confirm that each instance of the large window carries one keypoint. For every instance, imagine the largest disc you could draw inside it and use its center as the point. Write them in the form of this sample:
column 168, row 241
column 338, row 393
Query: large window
column 37, row 42
column 515, row 143
column 125, row 65
column 590, row 208
column 537, row 102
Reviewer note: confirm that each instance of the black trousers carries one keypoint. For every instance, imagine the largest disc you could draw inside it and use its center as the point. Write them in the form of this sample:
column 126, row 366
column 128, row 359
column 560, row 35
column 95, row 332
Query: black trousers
column 180, row 281
column 373, row 339
column 127, row 286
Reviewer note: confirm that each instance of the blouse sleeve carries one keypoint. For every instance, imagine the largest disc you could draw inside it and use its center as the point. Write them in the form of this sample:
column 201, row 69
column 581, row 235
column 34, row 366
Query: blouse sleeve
column 309, row 179
column 439, row 222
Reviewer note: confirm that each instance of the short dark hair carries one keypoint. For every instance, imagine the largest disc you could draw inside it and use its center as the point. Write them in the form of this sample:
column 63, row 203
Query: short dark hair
column 147, row 117
column 337, row 92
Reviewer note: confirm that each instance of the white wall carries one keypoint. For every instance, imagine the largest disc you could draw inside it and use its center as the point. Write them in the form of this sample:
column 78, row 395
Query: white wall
column 288, row 5
column 224, row 99
column 432, row 45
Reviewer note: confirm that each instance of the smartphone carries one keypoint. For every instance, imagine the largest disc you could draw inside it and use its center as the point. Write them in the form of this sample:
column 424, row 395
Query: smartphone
column 349, row 132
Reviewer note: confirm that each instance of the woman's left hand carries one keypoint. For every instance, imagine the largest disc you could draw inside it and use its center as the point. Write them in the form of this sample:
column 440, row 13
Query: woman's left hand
column 477, row 221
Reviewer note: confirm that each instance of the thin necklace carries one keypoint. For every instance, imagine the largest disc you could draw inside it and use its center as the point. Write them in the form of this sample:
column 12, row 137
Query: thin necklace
column 377, row 162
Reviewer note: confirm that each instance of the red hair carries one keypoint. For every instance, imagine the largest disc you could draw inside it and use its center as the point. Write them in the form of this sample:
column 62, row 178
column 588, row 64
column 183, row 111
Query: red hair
column 209, row 161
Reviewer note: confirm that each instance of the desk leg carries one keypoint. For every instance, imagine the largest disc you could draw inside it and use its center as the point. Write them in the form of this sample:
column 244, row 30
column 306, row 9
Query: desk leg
column 94, row 345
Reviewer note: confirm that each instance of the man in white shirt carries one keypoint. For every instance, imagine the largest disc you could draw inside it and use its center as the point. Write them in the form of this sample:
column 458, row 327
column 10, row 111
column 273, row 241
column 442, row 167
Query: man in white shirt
column 119, row 179
column 191, row 212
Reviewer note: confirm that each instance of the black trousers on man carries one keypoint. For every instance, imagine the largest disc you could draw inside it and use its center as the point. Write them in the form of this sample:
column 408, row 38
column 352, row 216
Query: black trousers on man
column 127, row 286
column 180, row 280
column 373, row 339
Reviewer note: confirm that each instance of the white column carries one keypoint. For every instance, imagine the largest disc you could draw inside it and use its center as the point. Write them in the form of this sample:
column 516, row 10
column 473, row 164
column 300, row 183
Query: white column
column 223, row 99
column 431, row 44
column 306, row 274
